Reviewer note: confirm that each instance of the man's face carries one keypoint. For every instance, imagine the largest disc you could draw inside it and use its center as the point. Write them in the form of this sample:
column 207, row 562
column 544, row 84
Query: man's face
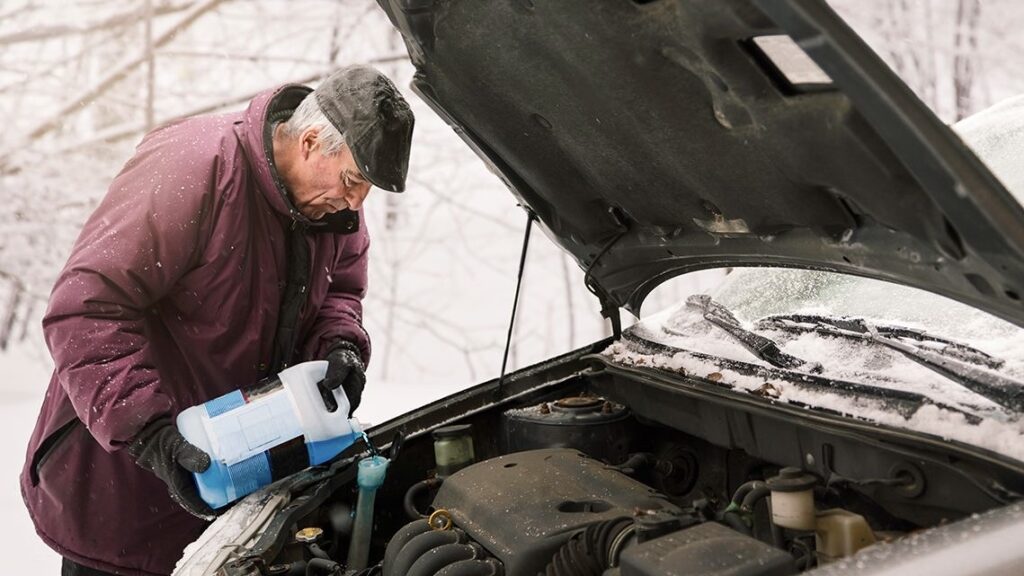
column 322, row 184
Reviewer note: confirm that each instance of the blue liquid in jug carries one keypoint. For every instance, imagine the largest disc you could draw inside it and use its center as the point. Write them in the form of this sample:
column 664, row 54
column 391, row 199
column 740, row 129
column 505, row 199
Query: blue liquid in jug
column 221, row 484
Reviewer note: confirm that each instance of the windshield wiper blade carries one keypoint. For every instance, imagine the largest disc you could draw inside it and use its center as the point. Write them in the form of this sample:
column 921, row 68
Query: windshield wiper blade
column 818, row 323
column 904, row 402
column 1004, row 391
column 764, row 348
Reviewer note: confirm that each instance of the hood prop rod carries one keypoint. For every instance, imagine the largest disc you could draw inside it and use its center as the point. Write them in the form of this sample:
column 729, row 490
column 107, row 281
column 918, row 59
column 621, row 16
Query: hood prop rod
column 530, row 217
column 609, row 309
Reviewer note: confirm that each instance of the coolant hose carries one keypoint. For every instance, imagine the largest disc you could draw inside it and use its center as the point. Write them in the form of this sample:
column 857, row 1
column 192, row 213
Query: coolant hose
column 753, row 496
column 733, row 520
column 414, row 491
column 318, row 566
column 317, row 552
column 588, row 553
column 747, row 496
column 369, row 477
column 744, row 489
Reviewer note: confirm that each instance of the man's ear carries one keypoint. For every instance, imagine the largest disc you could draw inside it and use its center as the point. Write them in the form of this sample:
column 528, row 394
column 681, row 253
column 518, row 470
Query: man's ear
column 308, row 141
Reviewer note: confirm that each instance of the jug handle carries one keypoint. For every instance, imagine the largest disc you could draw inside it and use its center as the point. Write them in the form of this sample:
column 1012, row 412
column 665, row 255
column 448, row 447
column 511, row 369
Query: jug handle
column 328, row 395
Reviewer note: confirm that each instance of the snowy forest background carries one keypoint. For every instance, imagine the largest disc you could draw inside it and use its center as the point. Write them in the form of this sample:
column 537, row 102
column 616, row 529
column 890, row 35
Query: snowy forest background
column 82, row 80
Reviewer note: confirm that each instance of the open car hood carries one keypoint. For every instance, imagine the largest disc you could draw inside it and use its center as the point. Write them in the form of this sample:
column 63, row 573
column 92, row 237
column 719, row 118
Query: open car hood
column 654, row 138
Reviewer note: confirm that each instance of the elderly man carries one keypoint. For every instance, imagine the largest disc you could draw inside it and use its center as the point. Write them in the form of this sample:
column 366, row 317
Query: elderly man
column 227, row 248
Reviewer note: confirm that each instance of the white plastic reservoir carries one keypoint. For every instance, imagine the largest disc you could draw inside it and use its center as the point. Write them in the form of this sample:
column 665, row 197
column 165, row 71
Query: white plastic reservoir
column 260, row 434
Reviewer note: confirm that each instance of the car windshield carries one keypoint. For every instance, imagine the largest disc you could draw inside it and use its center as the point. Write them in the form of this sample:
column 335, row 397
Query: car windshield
column 792, row 309
column 803, row 298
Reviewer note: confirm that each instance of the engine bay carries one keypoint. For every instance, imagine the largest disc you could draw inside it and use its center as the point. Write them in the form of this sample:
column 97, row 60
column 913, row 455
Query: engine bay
column 606, row 472
column 583, row 487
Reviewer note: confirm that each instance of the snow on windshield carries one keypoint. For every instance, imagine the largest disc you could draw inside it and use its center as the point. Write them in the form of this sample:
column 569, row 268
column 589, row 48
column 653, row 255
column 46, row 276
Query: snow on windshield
column 755, row 293
column 1004, row 437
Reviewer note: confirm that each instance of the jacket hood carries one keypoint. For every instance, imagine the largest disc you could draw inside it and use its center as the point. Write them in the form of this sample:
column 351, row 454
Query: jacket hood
column 657, row 138
column 257, row 139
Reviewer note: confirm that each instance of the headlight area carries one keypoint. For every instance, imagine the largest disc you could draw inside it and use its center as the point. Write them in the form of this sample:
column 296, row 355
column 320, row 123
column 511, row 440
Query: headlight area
column 614, row 474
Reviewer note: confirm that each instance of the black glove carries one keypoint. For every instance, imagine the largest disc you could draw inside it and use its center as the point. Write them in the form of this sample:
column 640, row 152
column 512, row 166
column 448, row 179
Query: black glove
column 345, row 369
column 162, row 450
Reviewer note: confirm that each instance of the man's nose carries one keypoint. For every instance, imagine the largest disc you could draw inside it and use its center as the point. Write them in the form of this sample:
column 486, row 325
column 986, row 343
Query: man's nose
column 356, row 195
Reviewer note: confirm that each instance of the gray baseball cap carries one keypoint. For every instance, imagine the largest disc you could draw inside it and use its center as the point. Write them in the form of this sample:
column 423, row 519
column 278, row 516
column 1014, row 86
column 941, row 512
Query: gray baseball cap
column 377, row 123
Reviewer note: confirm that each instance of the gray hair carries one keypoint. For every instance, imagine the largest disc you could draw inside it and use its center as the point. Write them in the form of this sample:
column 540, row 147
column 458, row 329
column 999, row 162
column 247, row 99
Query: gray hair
column 308, row 115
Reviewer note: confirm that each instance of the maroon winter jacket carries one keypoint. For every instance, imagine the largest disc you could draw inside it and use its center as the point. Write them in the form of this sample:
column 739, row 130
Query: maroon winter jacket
column 172, row 296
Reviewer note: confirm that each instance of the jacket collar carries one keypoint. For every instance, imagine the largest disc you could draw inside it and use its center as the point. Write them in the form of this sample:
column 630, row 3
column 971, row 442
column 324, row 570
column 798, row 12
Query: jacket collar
column 257, row 139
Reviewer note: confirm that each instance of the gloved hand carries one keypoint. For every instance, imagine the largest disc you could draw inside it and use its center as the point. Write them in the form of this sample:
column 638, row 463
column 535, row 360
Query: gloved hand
column 162, row 450
column 345, row 369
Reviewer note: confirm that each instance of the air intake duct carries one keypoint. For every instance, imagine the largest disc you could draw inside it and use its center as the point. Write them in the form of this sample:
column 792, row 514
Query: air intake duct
column 420, row 550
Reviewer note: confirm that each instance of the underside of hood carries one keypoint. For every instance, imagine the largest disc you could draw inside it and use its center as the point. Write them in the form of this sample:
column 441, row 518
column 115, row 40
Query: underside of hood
column 653, row 138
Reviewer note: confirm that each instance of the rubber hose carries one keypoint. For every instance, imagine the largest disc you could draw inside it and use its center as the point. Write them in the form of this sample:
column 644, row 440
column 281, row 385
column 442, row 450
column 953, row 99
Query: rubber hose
column 321, row 566
column 744, row 488
column 410, row 497
column 587, row 552
column 399, row 540
column 317, row 551
column 755, row 495
column 488, row 567
column 733, row 520
column 436, row 559
column 752, row 497
column 419, row 546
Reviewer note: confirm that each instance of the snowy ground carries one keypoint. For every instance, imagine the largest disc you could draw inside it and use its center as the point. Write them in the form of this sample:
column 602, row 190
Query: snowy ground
column 26, row 374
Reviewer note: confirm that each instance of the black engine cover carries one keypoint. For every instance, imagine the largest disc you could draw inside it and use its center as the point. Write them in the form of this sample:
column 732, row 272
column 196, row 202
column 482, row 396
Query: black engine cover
column 522, row 507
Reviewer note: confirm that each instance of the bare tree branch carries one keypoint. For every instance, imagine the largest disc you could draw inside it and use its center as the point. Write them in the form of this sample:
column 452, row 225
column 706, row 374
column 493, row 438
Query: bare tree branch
column 9, row 315
column 119, row 73
column 886, row 25
column 26, row 7
column 56, row 69
column 968, row 13
column 39, row 33
column 452, row 202
column 129, row 129
column 389, row 324
column 234, row 56
column 150, row 64
column 569, row 306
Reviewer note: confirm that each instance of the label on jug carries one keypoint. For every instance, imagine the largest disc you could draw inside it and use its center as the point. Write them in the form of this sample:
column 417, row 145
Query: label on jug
column 265, row 432
column 247, row 430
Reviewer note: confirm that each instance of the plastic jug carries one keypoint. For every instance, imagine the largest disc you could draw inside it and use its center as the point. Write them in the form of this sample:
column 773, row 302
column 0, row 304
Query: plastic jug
column 260, row 434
